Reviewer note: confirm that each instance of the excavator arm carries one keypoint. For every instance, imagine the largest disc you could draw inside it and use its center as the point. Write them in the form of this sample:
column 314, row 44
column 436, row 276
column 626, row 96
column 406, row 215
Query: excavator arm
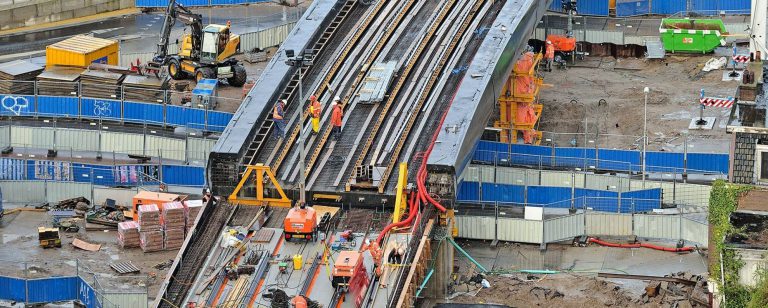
column 173, row 12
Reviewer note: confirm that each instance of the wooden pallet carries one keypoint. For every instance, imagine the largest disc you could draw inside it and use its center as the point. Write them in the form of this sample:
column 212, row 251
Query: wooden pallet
column 124, row 267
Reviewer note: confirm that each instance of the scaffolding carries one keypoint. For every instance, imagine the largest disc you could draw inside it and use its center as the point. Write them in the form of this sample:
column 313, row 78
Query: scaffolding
column 519, row 110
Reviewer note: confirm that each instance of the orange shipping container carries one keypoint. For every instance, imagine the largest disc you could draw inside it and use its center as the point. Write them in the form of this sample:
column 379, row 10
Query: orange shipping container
column 150, row 197
column 81, row 51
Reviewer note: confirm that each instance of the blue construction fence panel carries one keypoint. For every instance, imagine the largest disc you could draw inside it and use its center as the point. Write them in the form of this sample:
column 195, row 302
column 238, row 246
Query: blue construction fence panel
column 12, row 289
column 626, row 8
column 664, row 162
column 87, row 295
column 48, row 290
column 669, row 7
column 161, row 3
column 618, row 160
column 714, row 7
column 707, row 161
column 642, row 200
column 110, row 109
column 184, row 175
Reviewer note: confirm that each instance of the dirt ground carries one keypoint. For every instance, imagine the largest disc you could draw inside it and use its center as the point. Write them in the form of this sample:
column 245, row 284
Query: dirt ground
column 564, row 291
column 18, row 233
column 675, row 85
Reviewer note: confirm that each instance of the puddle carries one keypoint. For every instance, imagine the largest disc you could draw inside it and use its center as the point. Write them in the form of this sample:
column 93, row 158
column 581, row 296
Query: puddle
column 7, row 238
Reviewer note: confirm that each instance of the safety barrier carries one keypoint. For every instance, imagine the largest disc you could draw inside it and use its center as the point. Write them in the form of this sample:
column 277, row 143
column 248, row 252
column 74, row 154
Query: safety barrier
column 685, row 7
column 160, row 113
column 161, row 3
column 496, row 153
column 71, row 143
column 122, row 175
column 674, row 190
column 80, row 286
column 496, row 221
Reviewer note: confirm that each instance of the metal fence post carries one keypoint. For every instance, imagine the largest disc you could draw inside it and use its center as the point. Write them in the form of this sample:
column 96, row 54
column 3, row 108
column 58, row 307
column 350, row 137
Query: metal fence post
column 26, row 283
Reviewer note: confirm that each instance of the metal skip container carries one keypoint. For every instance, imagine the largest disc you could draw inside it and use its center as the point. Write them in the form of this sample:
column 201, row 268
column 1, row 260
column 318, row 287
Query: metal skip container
column 692, row 35
column 81, row 51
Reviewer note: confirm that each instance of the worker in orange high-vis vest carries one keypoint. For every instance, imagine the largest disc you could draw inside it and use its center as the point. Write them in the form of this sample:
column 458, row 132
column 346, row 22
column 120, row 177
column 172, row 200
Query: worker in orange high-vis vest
column 314, row 111
column 336, row 116
column 549, row 55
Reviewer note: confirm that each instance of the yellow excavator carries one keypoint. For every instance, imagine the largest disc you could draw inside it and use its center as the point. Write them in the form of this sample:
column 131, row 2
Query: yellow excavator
column 204, row 53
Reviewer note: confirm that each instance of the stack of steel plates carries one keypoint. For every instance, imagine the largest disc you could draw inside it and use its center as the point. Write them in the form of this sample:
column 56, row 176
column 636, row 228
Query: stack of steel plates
column 59, row 81
column 144, row 88
column 101, row 84
column 17, row 77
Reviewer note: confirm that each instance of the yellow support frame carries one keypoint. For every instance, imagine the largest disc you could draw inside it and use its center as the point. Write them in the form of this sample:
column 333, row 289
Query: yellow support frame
column 260, row 200
column 401, row 198
column 511, row 97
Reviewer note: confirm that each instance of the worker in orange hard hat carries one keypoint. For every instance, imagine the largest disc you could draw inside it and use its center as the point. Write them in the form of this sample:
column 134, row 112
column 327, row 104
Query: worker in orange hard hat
column 314, row 111
column 549, row 55
column 299, row 301
column 336, row 118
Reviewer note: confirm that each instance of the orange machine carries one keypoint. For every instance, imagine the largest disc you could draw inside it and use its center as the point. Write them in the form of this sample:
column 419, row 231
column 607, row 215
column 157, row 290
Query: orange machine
column 562, row 43
column 348, row 263
column 150, row 197
column 300, row 223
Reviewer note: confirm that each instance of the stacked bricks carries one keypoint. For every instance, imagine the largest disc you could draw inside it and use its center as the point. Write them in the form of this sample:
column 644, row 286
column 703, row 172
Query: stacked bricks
column 128, row 234
column 192, row 209
column 173, row 225
column 150, row 233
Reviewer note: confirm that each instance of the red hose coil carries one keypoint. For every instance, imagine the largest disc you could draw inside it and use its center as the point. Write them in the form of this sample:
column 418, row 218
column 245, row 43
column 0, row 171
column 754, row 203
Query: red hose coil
column 639, row 245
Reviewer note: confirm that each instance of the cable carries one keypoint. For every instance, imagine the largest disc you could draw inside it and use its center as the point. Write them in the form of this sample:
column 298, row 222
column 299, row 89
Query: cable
column 639, row 245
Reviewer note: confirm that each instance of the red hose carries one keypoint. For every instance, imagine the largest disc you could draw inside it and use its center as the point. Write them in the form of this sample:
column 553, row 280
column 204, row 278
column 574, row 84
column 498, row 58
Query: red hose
column 639, row 245
column 412, row 210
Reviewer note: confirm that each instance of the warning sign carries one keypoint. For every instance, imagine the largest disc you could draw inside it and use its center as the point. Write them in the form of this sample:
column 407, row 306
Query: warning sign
column 687, row 40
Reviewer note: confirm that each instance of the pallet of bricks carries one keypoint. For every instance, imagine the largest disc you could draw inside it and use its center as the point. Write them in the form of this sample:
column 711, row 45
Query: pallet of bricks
column 192, row 209
column 128, row 234
column 173, row 220
column 150, row 232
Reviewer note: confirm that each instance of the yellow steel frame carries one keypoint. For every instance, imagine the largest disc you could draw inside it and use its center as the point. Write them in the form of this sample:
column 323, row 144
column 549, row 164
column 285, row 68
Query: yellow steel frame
column 260, row 171
column 401, row 198
column 512, row 97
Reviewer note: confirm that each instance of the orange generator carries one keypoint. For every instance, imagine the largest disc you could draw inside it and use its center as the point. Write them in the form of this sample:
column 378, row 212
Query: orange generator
column 348, row 263
column 562, row 43
column 300, row 223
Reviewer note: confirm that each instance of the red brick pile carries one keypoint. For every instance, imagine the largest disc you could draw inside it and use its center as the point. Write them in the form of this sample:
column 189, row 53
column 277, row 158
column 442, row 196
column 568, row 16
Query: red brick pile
column 128, row 234
column 151, row 241
column 192, row 209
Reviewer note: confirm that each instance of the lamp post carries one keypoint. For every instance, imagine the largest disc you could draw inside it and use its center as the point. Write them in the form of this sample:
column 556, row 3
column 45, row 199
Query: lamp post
column 645, row 128
column 300, row 61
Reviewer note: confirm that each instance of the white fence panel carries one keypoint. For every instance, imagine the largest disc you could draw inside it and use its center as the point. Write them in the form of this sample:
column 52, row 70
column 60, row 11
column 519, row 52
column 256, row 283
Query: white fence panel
column 57, row 191
column 520, row 230
column 657, row 226
column 564, row 227
column 23, row 191
column 273, row 36
column 122, row 143
column 609, row 224
column 510, row 176
column 198, row 149
column 167, row 148
column 77, row 139
column 127, row 300
column 5, row 137
column 122, row 196
column 694, row 231
column 561, row 179
column 476, row 227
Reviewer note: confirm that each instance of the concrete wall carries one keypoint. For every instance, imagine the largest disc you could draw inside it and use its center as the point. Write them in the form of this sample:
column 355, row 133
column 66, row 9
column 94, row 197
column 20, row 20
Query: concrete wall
column 21, row 13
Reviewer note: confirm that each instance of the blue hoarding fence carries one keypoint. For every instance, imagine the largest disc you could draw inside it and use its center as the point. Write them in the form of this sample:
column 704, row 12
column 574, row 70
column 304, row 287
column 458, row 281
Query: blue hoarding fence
column 502, row 154
column 161, row 3
column 561, row 197
column 51, row 290
column 626, row 8
column 126, row 175
column 585, row 7
column 154, row 113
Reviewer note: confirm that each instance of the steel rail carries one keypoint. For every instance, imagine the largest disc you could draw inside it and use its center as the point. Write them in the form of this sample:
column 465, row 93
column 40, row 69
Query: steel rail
column 415, row 111
column 393, row 94
column 350, row 92
column 325, row 84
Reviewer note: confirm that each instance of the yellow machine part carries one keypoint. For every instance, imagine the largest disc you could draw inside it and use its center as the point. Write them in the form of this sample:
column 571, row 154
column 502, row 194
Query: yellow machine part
column 230, row 49
column 518, row 110
column 186, row 46
column 260, row 174
column 401, row 199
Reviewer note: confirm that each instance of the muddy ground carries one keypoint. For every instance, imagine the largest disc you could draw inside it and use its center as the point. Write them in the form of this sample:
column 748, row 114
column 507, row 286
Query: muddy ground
column 18, row 233
column 675, row 85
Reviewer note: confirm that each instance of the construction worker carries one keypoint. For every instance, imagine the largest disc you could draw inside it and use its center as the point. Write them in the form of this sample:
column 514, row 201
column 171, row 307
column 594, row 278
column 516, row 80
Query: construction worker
column 277, row 116
column 549, row 55
column 314, row 111
column 336, row 117
column 299, row 301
